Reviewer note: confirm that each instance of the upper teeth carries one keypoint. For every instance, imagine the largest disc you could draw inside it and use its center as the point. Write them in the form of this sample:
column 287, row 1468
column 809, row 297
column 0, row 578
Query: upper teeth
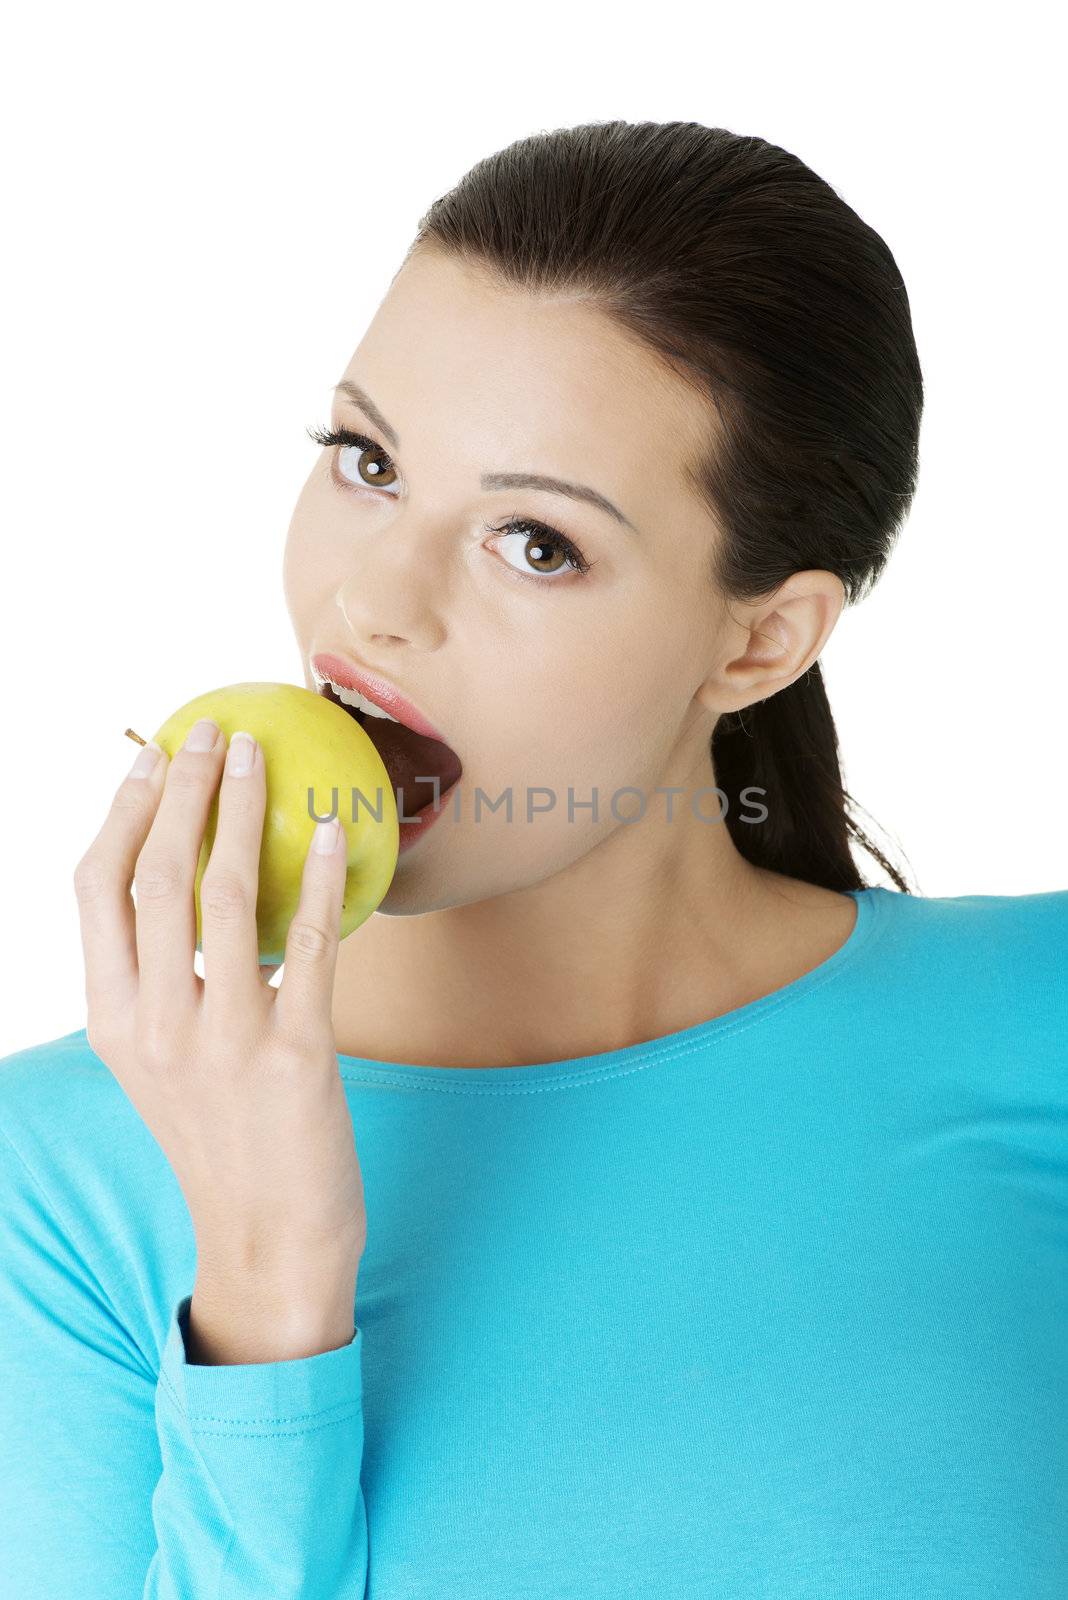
column 353, row 697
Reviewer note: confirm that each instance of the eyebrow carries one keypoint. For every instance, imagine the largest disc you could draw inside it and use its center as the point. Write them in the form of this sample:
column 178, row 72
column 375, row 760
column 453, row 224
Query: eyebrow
column 490, row 480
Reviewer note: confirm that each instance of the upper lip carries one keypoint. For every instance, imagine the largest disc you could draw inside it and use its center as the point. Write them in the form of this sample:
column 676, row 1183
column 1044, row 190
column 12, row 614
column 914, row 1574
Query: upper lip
column 385, row 695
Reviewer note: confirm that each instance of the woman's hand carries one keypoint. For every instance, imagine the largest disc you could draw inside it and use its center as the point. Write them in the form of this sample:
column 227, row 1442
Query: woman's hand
column 237, row 1081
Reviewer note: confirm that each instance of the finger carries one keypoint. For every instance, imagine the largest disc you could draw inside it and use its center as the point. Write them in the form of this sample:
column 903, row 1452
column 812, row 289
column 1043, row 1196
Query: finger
column 305, row 993
column 102, row 884
column 166, row 871
column 228, row 890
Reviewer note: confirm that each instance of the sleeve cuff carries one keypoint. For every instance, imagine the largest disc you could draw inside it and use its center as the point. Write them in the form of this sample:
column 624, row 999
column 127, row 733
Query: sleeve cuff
column 279, row 1397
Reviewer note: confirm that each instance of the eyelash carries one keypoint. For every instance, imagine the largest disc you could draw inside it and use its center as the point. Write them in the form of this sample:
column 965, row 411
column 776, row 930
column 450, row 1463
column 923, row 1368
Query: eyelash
column 515, row 524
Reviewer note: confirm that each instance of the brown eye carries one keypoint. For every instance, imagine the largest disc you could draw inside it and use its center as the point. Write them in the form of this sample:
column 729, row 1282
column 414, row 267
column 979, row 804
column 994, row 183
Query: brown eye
column 366, row 464
column 543, row 555
column 548, row 551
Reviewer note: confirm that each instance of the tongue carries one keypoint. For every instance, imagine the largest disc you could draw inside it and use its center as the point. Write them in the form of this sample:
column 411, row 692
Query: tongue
column 411, row 759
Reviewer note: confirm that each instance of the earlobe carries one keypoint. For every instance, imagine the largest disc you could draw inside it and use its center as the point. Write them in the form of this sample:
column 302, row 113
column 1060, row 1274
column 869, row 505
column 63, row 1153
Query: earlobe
column 739, row 681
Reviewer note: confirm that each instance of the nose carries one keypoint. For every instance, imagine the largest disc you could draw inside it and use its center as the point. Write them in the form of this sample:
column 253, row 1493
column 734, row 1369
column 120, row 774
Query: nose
column 394, row 593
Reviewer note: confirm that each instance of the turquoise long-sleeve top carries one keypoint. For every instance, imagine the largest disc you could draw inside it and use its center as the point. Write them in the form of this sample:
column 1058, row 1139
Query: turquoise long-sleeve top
column 775, row 1306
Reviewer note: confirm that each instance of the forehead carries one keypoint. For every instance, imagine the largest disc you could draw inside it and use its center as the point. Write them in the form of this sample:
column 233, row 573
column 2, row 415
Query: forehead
column 522, row 368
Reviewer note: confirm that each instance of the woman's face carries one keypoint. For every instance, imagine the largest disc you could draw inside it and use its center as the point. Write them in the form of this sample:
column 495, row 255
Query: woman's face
column 548, row 682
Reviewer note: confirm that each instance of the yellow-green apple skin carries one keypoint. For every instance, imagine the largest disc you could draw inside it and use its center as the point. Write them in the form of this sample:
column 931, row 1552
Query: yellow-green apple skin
column 308, row 741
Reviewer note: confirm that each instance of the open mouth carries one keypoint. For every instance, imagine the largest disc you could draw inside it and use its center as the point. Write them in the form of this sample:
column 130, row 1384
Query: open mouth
column 411, row 759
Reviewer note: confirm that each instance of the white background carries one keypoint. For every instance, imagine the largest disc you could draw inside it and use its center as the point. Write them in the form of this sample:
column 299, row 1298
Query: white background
column 203, row 208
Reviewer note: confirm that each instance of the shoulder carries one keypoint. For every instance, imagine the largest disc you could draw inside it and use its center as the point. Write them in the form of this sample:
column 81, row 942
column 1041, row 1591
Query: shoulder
column 78, row 1164
column 36, row 1070
column 58, row 1100
column 991, row 960
column 1032, row 924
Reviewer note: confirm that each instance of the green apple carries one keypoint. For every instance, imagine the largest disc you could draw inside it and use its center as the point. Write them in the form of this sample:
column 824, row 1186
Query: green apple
column 308, row 742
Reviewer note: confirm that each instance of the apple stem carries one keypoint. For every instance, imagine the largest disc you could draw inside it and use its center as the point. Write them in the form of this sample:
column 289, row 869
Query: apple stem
column 131, row 735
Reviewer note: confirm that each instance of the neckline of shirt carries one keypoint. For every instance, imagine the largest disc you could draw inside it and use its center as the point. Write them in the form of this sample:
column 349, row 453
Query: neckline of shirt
column 532, row 1077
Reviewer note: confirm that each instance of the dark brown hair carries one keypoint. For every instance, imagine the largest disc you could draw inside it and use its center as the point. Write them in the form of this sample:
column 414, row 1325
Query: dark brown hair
column 760, row 286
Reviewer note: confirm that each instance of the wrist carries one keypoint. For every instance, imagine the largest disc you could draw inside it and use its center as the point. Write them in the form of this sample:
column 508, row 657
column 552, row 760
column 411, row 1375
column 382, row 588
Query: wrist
column 231, row 1325
column 238, row 1315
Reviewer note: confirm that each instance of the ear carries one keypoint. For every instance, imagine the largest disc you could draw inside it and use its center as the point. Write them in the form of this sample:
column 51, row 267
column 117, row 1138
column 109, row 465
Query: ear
column 771, row 642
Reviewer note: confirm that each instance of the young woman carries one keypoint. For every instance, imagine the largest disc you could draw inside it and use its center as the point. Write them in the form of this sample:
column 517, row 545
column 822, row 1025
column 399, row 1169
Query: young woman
column 708, row 1205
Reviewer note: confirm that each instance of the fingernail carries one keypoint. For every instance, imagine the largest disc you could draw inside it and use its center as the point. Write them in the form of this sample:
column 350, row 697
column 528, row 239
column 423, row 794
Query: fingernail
column 240, row 755
column 202, row 735
column 325, row 836
column 145, row 760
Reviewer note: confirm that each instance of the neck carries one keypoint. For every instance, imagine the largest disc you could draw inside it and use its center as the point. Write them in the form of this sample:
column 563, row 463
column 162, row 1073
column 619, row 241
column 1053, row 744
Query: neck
column 653, row 930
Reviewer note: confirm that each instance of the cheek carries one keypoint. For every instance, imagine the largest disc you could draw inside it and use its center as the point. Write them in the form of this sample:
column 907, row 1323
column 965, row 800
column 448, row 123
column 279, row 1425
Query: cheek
column 567, row 737
column 298, row 557
column 291, row 565
column 313, row 567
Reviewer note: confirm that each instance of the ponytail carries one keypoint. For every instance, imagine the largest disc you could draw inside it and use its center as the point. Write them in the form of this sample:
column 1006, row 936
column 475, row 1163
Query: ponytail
column 782, row 754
